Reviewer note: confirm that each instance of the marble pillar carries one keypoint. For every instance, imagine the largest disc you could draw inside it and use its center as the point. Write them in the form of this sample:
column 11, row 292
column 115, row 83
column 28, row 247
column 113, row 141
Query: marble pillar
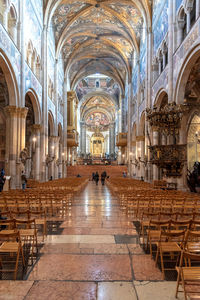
column 44, row 128
column 155, row 142
column 51, row 166
column 197, row 9
column 36, row 150
column 188, row 12
column 83, row 138
column 170, row 51
column 112, row 138
column 11, row 144
column 181, row 24
column 57, row 159
column 64, row 153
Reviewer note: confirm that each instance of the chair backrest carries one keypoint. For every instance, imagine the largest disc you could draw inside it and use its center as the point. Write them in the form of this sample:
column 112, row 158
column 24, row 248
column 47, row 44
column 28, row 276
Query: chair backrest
column 159, row 224
column 168, row 236
column 187, row 257
column 10, row 223
column 12, row 236
column 30, row 223
column 180, row 224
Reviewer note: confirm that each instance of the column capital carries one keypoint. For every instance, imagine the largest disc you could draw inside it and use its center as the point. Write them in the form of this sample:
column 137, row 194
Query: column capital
column 11, row 110
column 23, row 112
column 36, row 128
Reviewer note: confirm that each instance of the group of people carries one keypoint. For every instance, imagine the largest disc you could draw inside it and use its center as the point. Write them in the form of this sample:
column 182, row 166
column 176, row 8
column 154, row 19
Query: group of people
column 95, row 177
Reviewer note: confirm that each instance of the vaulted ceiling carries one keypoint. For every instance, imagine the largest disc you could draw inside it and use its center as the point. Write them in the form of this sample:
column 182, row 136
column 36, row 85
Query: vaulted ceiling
column 98, row 35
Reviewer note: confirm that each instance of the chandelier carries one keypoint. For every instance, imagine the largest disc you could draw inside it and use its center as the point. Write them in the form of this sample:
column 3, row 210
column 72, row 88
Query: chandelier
column 167, row 119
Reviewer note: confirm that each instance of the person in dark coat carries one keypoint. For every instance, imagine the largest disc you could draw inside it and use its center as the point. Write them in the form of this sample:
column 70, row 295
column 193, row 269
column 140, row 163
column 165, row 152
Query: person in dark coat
column 2, row 181
column 103, row 177
column 96, row 178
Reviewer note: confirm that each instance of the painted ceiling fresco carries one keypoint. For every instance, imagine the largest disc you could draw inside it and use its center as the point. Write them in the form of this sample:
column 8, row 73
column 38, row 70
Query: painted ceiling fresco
column 106, row 86
column 90, row 31
column 98, row 111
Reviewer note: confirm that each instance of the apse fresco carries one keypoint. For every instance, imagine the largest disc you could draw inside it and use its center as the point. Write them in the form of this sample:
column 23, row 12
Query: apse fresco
column 160, row 25
column 33, row 28
column 178, row 4
column 97, row 119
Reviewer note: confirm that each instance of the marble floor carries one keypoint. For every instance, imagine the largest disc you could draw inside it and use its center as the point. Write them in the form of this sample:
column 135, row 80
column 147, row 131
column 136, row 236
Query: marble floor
column 94, row 255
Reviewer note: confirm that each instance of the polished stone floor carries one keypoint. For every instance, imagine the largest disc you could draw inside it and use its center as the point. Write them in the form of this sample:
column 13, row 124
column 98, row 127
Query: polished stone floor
column 95, row 255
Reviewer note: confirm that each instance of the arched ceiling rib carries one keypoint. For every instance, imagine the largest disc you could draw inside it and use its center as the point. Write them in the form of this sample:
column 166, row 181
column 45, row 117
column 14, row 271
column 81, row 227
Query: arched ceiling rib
column 105, row 30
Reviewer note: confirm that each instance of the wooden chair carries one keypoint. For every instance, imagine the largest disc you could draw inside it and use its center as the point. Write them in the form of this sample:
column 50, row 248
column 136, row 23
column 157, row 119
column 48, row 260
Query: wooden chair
column 188, row 276
column 40, row 219
column 28, row 234
column 168, row 246
column 145, row 221
column 11, row 244
column 153, row 232
column 192, row 242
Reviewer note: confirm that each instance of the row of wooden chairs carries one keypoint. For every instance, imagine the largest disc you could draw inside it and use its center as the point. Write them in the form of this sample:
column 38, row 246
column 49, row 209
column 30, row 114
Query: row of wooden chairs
column 39, row 216
column 51, row 206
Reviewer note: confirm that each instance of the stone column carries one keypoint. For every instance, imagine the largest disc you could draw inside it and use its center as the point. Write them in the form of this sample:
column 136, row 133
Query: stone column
column 129, row 135
column 155, row 142
column 73, row 156
column 188, row 12
column 64, row 156
column 140, row 150
column 112, row 137
column 164, row 58
column 159, row 66
column 23, row 54
column 56, row 153
column 197, row 8
column 170, row 51
column 56, row 91
column 44, row 128
column 36, row 150
column 61, row 160
column 148, row 97
column 51, row 171
column 21, row 139
column 181, row 24
column 133, row 157
column 11, row 143
column 83, row 138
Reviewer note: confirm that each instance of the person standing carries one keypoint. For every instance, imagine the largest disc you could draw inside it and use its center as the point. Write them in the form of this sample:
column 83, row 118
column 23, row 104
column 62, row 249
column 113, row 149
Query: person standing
column 23, row 180
column 103, row 177
column 2, row 181
column 96, row 178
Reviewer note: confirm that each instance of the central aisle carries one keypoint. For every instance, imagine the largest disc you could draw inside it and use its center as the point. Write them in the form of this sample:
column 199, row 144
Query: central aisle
column 95, row 254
